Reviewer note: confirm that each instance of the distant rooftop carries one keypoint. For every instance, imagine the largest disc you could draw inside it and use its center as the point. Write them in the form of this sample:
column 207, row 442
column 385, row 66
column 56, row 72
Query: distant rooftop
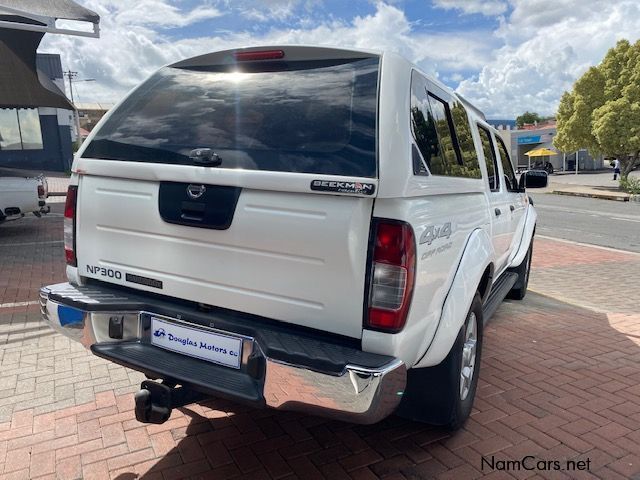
column 502, row 122
column 94, row 106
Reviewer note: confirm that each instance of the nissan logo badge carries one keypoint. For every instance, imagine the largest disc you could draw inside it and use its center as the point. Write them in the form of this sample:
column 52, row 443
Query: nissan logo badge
column 196, row 191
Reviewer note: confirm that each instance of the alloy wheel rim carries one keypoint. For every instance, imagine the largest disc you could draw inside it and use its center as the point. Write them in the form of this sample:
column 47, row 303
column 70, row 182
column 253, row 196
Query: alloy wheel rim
column 468, row 355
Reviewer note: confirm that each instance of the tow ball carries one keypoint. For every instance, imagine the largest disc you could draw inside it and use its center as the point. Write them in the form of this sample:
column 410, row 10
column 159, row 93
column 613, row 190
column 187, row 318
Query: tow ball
column 155, row 401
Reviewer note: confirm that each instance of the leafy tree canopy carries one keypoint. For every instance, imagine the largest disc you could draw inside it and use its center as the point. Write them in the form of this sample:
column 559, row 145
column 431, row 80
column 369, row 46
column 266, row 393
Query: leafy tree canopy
column 602, row 111
column 527, row 117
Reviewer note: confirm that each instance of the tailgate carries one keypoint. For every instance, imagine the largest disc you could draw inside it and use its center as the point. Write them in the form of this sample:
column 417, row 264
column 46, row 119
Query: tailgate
column 240, row 179
column 290, row 256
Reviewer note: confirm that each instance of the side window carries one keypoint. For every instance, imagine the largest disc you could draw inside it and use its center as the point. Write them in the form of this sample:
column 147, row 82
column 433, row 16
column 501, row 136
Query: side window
column 422, row 126
column 445, row 151
column 447, row 161
column 470, row 165
column 490, row 159
column 509, row 175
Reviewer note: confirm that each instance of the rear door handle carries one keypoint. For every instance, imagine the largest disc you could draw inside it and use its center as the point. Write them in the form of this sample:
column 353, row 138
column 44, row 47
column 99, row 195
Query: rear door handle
column 498, row 212
column 512, row 208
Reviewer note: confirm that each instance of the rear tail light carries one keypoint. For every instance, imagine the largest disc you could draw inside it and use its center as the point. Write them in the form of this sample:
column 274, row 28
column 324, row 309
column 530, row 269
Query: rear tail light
column 41, row 193
column 392, row 275
column 70, row 226
column 259, row 55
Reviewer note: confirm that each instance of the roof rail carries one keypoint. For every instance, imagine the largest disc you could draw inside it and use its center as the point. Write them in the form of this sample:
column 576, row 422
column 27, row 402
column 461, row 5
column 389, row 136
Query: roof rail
column 471, row 106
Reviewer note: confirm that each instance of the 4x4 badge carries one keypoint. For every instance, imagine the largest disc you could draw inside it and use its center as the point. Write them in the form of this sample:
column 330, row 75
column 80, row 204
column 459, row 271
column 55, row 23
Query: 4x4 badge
column 433, row 232
column 196, row 191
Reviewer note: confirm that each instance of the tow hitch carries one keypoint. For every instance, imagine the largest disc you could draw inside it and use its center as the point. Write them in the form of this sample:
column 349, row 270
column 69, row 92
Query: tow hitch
column 155, row 401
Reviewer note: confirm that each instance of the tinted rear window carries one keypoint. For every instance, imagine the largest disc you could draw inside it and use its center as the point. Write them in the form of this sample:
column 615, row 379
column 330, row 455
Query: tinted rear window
column 308, row 117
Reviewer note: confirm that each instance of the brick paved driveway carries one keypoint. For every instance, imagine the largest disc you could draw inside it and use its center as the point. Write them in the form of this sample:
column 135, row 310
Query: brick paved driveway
column 560, row 379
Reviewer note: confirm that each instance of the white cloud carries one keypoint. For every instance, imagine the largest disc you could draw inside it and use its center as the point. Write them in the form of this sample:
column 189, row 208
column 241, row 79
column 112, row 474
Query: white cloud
column 484, row 7
column 129, row 50
column 548, row 45
column 536, row 51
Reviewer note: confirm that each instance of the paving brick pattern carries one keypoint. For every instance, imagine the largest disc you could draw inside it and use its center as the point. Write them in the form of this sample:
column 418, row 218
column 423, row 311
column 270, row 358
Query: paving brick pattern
column 558, row 382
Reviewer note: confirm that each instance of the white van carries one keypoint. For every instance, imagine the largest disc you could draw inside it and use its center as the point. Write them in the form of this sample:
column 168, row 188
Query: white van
column 303, row 228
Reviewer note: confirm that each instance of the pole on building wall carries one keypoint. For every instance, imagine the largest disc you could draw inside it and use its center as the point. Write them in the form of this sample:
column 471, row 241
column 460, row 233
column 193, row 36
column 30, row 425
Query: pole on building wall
column 564, row 161
column 577, row 151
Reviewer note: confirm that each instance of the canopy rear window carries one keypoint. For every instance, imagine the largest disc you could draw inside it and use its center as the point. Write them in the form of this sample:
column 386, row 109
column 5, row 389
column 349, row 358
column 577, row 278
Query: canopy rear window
column 307, row 117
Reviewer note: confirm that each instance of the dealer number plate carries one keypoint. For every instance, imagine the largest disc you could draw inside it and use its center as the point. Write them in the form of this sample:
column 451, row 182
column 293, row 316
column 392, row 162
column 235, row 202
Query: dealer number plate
column 194, row 342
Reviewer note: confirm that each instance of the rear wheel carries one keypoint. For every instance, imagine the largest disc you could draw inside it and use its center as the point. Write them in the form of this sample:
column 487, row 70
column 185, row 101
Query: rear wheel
column 519, row 289
column 443, row 394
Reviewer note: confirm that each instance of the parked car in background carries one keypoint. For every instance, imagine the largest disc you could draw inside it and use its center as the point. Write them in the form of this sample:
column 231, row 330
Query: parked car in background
column 20, row 196
column 303, row 228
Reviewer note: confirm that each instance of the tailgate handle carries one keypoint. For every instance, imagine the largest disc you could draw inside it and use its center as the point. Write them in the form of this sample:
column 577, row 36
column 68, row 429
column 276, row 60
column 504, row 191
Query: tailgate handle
column 192, row 211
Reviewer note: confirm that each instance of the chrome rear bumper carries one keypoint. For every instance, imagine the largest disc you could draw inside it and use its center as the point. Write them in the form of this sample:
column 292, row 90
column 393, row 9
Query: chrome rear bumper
column 359, row 393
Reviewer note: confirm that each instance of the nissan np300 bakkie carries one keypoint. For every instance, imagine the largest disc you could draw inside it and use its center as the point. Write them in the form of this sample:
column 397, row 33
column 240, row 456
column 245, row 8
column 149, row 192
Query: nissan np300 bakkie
column 302, row 228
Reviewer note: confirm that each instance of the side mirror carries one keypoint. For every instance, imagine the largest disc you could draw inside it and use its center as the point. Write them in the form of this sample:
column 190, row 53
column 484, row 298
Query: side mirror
column 534, row 179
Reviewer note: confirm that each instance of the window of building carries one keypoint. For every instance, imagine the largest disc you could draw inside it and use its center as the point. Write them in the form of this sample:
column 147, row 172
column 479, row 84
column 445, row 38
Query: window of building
column 20, row 129
column 489, row 158
column 510, row 179
column 29, row 122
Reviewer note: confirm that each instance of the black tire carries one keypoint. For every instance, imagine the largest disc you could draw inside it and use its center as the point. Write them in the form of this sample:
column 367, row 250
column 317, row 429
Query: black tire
column 549, row 168
column 519, row 289
column 434, row 394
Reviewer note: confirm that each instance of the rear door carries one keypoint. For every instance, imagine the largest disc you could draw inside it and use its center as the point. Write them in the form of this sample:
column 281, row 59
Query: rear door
column 498, row 201
column 515, row 198
column 244, row 184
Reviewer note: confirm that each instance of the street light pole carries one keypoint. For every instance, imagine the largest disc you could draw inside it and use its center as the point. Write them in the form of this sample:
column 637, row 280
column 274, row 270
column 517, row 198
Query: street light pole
column 71, row 76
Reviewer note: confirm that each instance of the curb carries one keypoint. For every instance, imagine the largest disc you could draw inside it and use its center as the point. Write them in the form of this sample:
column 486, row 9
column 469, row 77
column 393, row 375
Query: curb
column 602, row 196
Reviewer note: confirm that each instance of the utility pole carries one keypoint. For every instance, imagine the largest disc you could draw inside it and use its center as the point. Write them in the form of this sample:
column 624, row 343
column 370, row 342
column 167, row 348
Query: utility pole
column 76, row 116
column 71, row 76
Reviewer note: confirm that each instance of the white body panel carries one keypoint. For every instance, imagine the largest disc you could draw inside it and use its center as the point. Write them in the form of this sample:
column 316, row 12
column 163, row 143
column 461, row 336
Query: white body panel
column 17, row 192
column 294, row 257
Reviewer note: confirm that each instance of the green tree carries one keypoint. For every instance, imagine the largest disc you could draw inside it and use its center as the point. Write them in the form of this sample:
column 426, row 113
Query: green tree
column 527, row 117
column 602, row 111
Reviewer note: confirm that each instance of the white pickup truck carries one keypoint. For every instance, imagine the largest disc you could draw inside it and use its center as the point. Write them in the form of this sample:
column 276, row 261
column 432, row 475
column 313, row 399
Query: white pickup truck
column 302, row 228
column 22, row 195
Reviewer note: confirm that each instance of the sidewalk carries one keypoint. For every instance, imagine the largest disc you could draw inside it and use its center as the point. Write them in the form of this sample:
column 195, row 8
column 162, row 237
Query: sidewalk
column 58, row 186
column 605, row 193
column 588, row 184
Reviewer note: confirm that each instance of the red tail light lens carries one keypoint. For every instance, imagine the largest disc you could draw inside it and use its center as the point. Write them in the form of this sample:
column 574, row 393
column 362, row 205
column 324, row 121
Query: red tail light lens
column 392, row 275
column 70, row 226
column 40, row 191
column 259, row 55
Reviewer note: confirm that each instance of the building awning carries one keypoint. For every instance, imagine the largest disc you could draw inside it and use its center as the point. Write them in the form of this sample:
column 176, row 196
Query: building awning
column 22, row 26
column 53, row 8
column 21, row 85
column 41, row 16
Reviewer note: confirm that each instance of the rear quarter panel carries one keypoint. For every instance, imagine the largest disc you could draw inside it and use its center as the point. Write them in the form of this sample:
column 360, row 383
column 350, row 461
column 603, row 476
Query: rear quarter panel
column 442, row 225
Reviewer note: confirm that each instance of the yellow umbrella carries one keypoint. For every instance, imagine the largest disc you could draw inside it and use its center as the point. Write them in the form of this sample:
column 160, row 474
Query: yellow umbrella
column 539, row 152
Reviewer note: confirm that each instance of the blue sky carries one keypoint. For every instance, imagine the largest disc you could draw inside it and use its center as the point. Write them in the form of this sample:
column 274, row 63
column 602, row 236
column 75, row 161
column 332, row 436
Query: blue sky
column 506, row 56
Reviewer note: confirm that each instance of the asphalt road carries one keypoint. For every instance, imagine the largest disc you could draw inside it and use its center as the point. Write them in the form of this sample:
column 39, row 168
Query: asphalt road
column 599, row 222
